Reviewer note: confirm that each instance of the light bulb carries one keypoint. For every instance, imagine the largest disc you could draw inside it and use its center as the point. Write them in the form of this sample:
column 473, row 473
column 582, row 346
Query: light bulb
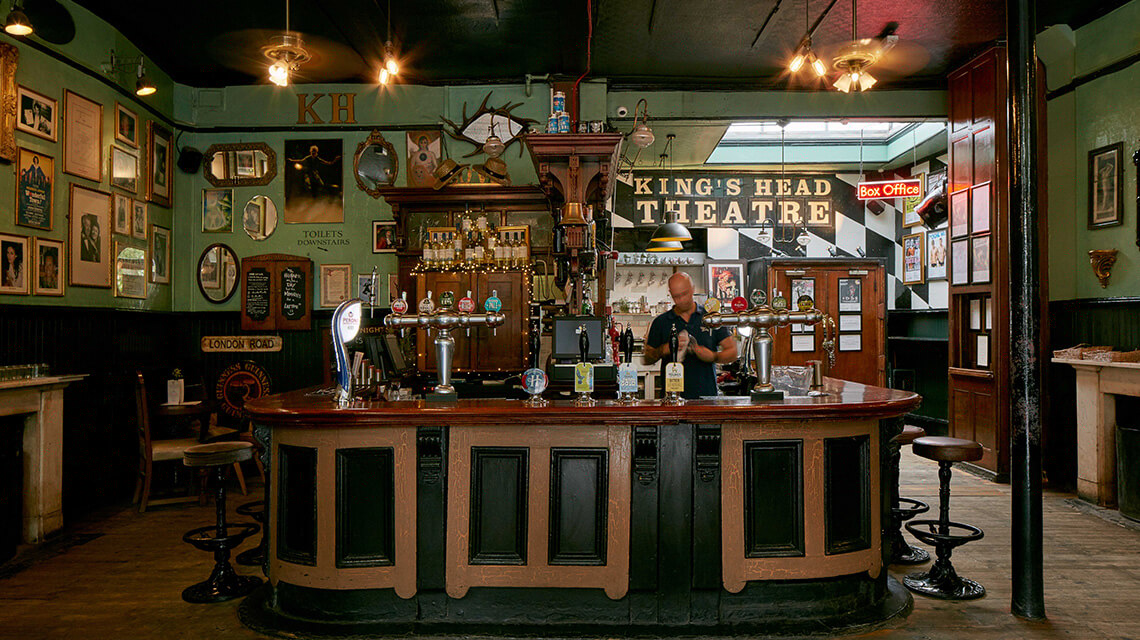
column 385, row 77
column 854, row 76
column 819, row 68
column 391, row 66
column 797, row 63
column 279, row 74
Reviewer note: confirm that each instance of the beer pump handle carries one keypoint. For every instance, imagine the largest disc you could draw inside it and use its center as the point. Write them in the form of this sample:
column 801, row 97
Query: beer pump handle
column 583, row 342
column 674, row 343
column 627, row 344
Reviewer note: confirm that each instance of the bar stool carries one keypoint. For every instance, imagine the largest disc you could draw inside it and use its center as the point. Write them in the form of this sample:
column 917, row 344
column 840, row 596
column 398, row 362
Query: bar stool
column 254, row 557
column 224, row 583
column 941, row 581
column 904, row 509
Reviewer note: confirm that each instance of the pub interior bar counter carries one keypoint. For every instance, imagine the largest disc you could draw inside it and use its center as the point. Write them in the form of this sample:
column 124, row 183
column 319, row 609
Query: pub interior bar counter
column 485, row 515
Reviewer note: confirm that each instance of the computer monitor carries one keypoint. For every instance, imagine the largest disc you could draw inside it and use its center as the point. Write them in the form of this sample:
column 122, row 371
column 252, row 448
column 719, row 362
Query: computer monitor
column 566, row 337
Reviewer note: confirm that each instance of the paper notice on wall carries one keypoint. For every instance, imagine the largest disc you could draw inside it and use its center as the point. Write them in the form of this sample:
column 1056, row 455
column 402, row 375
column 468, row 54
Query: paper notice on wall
column 803, row 343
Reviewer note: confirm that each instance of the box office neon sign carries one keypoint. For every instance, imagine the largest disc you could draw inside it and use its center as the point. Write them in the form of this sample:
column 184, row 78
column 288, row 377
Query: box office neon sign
column 889, row 189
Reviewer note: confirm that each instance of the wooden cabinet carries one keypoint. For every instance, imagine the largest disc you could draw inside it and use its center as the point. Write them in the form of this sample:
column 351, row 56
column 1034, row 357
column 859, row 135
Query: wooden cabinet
column 485, row 350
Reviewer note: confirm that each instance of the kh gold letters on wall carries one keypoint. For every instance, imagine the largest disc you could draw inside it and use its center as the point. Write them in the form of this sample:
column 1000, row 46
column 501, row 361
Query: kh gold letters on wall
column 342, row 104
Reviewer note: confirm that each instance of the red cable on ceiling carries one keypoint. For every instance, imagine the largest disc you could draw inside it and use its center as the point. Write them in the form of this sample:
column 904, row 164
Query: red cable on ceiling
column 589, row 45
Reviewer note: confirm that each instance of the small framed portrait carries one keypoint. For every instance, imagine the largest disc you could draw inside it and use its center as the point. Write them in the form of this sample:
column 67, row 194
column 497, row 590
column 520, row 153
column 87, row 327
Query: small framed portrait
column 217, row 210
column 159, row 164
column 138, row 219
column 244, row 166
column 936, row 254
column 89, row 237
column 159, row 254
column 336, row 284
column 39, row 114
column 35, row 189
column 122, row 219
column 980, row 254
column 960, row 213
column 124, row 170
column 913, row 261
column 49, row 267
column 980, row 209
column 1105, row 190
column 850, row 294
column 383, row 236
column 126, row 126
column 960, row 262
column 725, row 279
column 16, row 275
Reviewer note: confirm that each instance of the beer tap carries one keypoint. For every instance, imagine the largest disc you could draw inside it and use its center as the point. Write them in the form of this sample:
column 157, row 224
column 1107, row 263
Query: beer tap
column 584, row 370
column 443, row 320
column 626, row 372
column 345, row 326
column 674, row 371
column 372, row 295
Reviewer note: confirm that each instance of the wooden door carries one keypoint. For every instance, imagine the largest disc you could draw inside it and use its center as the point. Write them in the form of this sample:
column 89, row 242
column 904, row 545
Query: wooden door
column 853, row 293
column 436, row 283
column 503, row 348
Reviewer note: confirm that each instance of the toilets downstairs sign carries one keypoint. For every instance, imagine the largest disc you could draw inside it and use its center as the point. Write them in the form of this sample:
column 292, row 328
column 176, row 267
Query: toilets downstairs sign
column 727, row 199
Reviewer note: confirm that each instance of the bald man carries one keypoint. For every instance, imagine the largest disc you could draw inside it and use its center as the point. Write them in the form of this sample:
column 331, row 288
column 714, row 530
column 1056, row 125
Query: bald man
column 700, row 348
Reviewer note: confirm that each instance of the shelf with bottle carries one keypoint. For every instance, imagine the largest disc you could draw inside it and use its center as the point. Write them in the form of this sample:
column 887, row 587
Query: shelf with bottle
column 475, row 248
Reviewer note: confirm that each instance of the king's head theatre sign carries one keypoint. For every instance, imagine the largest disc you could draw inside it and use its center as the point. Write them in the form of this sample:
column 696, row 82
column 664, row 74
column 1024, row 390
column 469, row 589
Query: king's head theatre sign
column 721, row 199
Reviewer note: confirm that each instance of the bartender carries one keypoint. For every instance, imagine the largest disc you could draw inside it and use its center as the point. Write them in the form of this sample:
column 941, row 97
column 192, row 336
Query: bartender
column 700, row 348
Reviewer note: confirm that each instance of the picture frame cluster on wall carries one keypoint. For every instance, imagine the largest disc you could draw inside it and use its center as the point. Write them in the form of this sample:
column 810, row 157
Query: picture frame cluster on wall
column 970, row 251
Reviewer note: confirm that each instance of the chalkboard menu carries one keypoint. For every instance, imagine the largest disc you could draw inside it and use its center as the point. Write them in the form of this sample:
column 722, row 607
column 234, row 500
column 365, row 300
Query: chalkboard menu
column 278, row 294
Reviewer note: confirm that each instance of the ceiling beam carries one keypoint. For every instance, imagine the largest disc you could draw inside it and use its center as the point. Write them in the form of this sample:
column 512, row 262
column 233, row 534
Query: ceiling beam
column 775, row 8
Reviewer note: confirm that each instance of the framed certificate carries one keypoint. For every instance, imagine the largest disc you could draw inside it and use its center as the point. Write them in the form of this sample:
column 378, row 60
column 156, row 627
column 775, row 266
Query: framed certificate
column 82, row 136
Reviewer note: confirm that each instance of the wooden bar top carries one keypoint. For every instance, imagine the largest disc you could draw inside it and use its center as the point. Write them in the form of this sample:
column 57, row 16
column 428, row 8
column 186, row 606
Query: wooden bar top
column 845, row 401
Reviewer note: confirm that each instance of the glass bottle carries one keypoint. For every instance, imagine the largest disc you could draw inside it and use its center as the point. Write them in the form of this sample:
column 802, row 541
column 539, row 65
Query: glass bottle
column 489, row 251
column 457, row 246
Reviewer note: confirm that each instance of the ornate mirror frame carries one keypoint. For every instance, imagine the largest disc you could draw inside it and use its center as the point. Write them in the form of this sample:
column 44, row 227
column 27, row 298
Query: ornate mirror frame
column 375, row 138
column 270, row 172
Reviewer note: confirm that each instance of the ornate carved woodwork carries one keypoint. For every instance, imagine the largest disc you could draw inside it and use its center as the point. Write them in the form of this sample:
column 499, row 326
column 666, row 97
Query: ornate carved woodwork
column 1102, row 261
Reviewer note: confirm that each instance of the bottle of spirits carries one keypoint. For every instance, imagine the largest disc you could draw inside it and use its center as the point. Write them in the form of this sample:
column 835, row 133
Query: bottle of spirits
column 524, row 249
column 489, row 249
column 457, row 247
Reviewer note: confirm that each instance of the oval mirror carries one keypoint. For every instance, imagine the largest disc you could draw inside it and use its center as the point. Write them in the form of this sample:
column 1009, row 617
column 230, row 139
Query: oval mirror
column 217, row 273
column 376, row 164
column 245, row 164
column 259, row 217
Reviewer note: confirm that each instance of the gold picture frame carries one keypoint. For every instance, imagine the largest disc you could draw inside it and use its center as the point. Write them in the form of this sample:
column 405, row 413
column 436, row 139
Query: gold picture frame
column 36, row 113
column 49, row 277
column 9, row 60
column 336, row 284
column 89, row 238
column 126, row 126
column 159, row 165
column 15, row 275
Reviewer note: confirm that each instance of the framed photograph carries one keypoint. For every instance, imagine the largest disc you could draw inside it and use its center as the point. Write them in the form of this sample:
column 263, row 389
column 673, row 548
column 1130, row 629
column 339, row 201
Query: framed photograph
column 960, row 213
column 38, row 114
column 936, row 254
column 851, row 342
column 725, row 279
column 314, row 181
column 82, row 136
column 1105, row 191
column 913, row 262
column 159, row 165
column 217, row 210
column 35, row 189
column 980, row 263
column 159, row 254
column 989, row 314
column 122, row 218
column 980, row 209
column 89, row 237
column 383, row 236
column 910, row 216
column 424, row 153
column 16, row 275
column 130, row 270
column 336, row 284
column 126, row 126
column 364, row 289
column 803, row 342
column 124, row 170
column 851, row 322
column 138, row 219
column 49, row 267
column 960, row 262
column 802, row 287
column 850, row 294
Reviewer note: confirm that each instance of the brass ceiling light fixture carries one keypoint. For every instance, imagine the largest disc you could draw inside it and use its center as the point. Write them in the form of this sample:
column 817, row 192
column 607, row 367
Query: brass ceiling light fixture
column 391, row 66
column 804, row 55
column 286, row 52
column 493, row 146
column 143, row 84
column 669, row 236
column 17, row 23
column 854, row 58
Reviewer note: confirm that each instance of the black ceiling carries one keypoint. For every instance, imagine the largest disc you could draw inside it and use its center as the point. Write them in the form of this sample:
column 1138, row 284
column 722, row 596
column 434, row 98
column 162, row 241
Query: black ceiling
column 671, row 43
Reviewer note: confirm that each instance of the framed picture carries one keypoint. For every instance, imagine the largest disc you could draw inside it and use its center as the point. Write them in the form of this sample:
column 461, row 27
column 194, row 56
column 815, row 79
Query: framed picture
column 913, row 261
column 980, row 211
column 851, row 322
column 122, row 218
column 383, row 236
column 138, row 219
column 314, row 181
column 49, row 267
column 15, row 277
column 850, row 294
column 980, row 252
column 336, row 284
column 130, row 270
column 124, row 170
column 126, row 126
column 725, row 279
column 217, row 210
column 159, row 254
column 803, row 343
column 936, row 254
column 35, row 189
column 159, row 165
column 1105, row 190
column 960, row 262
column 9, row 60
column 364, row 289
column 802, row 287
column 976, row 314
column 38, row 114
column 424, row 153
column 89, row 237
column 851, row 342
column 960, row 213
column 910, row 216
column 244, row 164
column 983, row 359
column 82, row 136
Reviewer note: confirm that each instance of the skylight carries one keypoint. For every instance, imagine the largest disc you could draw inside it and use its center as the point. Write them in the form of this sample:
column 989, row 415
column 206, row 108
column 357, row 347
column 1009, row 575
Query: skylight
column 813, row 131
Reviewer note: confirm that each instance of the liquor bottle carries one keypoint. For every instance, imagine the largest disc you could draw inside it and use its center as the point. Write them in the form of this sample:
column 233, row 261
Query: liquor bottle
column 424, row 250
column 524, row 249
column 500, row 252
column 457, row 247
column 489, row 250
column 516, row 261
column 429, row 253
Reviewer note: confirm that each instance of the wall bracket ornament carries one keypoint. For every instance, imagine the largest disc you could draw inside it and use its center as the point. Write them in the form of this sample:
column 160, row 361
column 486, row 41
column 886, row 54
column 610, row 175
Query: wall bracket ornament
column 1102, row 261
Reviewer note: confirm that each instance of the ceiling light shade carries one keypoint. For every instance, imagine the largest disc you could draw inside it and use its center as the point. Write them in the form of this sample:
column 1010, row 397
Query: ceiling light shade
column 641, row 136
column 144, row 87
column 17, row 23
column 662, row 247
column 671, row 232
column 286, row 53
column 843, row 83
column 494, row 146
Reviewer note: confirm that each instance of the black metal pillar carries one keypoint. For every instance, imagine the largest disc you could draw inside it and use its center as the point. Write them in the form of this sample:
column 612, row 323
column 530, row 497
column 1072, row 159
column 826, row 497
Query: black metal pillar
column 1025, row 314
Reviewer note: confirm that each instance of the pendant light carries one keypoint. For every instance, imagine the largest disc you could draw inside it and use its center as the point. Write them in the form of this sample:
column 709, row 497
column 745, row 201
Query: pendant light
column 391, row 66
column 804, row 54
column 854, row 58
column 641, row 136
column 17, row 23
column 493, row 146
column 287, row 53
column 669, row 236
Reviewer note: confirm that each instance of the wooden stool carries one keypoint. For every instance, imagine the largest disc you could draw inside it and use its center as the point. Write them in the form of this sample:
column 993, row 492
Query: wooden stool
column 942, row 581
column 254, row 557
column 224, row 583
column 904, row 509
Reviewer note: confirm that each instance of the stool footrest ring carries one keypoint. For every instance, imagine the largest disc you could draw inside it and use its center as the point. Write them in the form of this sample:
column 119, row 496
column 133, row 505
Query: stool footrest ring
column 927, row 531
column 207, row 538
column 908, row 508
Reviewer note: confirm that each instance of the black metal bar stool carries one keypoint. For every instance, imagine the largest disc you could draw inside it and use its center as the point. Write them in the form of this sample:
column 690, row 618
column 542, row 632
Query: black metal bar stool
column 904, row 509
column 941, row 581
column 224, row 583
column 254, row 557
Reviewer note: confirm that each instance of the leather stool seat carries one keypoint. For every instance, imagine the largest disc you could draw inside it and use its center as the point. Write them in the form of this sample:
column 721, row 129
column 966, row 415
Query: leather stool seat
column 217, row 453
column 909, row 434
column 944, row 449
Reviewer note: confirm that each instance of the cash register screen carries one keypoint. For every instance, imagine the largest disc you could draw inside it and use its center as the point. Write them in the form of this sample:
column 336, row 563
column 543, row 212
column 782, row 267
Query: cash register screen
column 566, row 337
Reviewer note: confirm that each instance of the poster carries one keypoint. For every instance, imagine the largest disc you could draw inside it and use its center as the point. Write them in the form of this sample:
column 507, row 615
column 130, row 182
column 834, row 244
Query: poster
column 913, row 261
column 724, row 279
column 314, row 181
column 217, row 210
column 34, row 192
column 936, row 254
column 850, row 294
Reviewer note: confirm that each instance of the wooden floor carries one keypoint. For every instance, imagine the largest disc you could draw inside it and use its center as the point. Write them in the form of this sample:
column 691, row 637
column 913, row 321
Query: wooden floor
column 126, row 583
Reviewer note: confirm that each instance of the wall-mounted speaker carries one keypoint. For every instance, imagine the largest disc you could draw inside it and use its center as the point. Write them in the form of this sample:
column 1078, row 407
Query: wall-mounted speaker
column 189, row 160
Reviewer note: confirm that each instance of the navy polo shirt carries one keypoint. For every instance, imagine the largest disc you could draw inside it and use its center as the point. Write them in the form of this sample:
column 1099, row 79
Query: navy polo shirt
column 700, row 376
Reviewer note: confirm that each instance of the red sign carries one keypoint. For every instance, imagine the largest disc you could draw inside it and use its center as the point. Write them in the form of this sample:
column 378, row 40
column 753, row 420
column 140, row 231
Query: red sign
column 739, row 304
column 889, row 189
